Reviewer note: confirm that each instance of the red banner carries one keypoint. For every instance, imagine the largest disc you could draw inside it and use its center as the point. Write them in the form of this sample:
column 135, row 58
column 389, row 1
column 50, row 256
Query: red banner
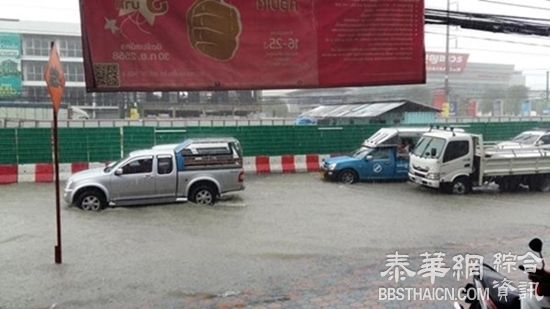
column 246, row 44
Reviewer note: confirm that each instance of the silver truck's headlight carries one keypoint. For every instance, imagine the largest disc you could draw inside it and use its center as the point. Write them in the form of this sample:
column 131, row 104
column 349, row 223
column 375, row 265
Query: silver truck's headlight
column 332, row 166
column 69, row 184
column 433, row 176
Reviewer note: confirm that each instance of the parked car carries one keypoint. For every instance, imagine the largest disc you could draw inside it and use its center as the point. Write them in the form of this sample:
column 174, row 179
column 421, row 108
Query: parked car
column 198, row 170
column 305, row 121
column 383, row 156
column 528, row 139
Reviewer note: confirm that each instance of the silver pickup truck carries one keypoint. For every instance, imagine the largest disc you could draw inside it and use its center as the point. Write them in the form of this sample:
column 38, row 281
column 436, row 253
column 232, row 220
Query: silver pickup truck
column 198, row 170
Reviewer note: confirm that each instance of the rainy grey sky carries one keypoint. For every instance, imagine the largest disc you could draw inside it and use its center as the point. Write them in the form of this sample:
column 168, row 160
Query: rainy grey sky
column 529, row 54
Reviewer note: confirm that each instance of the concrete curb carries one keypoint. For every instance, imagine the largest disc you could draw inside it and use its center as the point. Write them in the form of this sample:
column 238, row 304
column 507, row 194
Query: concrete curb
column 44, row 172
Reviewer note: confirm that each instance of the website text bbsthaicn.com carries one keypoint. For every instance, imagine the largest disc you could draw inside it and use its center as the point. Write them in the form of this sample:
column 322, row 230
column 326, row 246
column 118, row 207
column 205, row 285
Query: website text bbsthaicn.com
column 431, row 294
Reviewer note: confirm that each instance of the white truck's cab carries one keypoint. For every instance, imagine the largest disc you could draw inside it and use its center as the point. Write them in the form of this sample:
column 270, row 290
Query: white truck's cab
column 445, row 160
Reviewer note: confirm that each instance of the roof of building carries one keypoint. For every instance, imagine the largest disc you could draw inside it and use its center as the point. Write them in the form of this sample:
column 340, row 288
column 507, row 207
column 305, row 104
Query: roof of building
column 39, row 27
column 365, row 109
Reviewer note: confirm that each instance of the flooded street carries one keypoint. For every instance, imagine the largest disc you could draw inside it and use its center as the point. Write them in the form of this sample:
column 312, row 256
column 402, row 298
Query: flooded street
column 287, row 240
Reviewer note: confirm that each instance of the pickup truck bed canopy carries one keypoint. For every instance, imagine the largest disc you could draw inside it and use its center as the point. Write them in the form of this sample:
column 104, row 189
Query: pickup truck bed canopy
column 387, row 136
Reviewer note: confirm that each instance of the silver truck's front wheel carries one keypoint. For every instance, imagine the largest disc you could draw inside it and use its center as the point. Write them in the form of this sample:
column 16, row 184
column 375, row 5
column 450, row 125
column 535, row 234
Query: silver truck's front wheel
column 91, row 200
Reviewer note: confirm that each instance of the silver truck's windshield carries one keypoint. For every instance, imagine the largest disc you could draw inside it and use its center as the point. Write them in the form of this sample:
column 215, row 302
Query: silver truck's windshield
column 113, row 164
column 426, row 144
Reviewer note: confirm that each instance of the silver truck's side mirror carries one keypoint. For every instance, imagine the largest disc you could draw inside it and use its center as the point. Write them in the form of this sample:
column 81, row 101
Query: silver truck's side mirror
column 119, row 172
column 433, row 152
column 369, row 157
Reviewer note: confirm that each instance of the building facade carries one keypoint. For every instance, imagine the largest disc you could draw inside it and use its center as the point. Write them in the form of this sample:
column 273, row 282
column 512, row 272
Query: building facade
column 468, row 82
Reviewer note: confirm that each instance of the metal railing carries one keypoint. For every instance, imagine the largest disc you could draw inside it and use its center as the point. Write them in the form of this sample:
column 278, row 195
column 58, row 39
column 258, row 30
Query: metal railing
column 167, row 123
column 520, row 151
column 455, row 120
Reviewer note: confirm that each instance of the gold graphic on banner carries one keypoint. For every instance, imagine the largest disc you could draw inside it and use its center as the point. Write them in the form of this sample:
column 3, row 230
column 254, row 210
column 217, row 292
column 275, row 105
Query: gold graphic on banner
column 214, row 28
column 148, row 9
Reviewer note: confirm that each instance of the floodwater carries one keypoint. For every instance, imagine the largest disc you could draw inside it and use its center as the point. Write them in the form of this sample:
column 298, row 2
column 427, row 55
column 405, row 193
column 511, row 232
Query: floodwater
column 286, row 239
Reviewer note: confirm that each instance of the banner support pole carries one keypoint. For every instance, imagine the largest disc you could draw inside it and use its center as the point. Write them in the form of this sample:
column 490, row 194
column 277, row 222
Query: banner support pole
column 58, row 251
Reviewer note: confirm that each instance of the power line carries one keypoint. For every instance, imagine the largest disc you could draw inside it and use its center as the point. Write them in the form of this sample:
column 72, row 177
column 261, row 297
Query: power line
column 485, row 15
column 491, row 39
column 488, row 22
column 499, row 51
column 516, row 5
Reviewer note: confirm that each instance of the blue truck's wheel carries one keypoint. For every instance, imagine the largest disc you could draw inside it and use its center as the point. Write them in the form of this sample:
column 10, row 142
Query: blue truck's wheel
column 348, row 176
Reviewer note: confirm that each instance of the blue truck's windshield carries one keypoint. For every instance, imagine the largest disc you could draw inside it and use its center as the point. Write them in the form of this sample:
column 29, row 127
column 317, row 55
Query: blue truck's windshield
column 362, row 152
column 426, row 144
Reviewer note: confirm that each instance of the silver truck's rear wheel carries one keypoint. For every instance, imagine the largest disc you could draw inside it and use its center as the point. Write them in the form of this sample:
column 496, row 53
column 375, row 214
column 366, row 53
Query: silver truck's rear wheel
column 461, row 186
column 203, row 195
column 91, row 200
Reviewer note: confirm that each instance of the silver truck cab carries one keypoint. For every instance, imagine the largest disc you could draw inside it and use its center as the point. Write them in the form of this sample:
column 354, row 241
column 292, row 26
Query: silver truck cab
column 199, row 170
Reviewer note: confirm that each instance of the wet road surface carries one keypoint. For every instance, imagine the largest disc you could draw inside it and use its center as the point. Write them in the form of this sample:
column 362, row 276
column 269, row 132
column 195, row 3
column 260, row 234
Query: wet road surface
column 287, row 241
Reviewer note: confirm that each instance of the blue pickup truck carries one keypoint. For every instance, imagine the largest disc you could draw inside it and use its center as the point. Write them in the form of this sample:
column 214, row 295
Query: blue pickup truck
column 383, row 156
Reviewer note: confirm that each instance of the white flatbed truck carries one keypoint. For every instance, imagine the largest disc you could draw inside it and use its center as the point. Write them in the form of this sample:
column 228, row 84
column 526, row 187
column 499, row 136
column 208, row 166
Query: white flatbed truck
column 455, row 162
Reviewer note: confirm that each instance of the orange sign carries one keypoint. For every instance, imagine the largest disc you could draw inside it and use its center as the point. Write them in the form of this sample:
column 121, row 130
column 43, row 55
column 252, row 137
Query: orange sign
column 55, row 78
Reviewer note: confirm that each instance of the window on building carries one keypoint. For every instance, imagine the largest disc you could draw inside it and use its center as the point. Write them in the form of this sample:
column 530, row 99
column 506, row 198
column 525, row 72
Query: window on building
column 74, row 72
column 70, row 47
column 76, row 96
column 35, row 93
column 33, row 71
column 36, row 45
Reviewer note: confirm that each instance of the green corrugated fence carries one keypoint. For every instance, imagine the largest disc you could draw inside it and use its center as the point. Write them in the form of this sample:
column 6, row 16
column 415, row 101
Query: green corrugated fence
column 33, row 145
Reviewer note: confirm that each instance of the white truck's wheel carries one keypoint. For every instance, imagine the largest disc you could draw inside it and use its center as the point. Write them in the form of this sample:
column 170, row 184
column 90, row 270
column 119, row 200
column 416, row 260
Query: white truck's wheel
column 543, row 184
column 461, row 186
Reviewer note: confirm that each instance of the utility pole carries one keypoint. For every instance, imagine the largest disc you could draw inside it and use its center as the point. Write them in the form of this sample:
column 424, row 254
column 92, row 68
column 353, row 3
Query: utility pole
column 547, row 87
column 447, row 38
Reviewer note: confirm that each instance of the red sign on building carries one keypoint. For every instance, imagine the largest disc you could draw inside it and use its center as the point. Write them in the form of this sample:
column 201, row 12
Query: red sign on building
column 245, row 44
column 436, row 62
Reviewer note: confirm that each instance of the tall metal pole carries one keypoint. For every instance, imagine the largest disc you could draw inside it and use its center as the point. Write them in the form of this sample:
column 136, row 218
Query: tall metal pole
column 447, row 53
column 547, row 88
column 58, row 259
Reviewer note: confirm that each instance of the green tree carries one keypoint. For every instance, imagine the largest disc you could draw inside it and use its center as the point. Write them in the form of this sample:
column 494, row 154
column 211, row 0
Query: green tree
column 515, row 96
column 490, row 95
